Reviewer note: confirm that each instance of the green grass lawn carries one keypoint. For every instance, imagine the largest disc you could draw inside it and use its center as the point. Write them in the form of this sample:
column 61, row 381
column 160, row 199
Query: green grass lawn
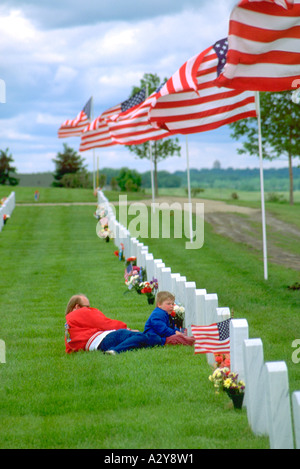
column 153, row 399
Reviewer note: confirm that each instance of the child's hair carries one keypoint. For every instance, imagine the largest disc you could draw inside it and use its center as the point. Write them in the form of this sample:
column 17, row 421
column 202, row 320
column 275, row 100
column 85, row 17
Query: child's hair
column 163, row 296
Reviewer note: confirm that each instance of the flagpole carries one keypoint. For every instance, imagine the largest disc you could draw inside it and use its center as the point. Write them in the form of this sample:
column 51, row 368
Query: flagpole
column 189, row 187
column 151, row 163
column 262, row 195
column 92, row 118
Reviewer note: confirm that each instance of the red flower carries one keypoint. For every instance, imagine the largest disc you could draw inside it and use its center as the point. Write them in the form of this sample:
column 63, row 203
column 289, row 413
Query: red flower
column 173, row 314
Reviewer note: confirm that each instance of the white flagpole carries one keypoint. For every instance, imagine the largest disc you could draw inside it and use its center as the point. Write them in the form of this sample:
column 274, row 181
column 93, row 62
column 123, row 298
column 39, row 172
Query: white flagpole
column 262, row 194
column 151, row 163
column 94, row 165
column 189, row 188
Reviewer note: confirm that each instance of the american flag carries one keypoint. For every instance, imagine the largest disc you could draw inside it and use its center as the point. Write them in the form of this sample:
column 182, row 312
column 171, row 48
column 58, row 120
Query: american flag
column 74, row 127
column 97, row 133
column 133, row 127
column 191, row 102
column 128, row 272
column 214, row 338
column 264, row 51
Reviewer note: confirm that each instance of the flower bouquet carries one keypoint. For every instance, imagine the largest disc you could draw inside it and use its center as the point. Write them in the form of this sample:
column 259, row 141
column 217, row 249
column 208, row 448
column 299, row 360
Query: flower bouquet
column 226, row 380
column 100, row 212
column 105, row 233
column 5, row 218
column 149, row 289
column 177, row 316
column 222, row 360
column 120, row 253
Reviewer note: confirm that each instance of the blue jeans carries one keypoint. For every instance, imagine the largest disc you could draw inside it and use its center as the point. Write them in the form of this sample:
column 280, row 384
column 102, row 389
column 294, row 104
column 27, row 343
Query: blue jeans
column 123, row 340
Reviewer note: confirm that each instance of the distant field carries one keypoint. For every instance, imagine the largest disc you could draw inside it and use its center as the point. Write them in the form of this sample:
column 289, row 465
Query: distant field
column 226, row 194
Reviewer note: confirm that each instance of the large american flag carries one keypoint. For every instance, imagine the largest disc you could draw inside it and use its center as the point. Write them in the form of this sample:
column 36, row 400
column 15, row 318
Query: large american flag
column 264, row 46
column 214, row 338
column 133, row 127
column 74, row 127
column 97, row 133
column 191, row 102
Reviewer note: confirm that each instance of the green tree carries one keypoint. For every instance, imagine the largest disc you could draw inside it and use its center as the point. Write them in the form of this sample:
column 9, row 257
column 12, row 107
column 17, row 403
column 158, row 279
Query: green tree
column 280, row 125
column 7, row 172
column 160, row 149
column 129, row 180
column 67, row 162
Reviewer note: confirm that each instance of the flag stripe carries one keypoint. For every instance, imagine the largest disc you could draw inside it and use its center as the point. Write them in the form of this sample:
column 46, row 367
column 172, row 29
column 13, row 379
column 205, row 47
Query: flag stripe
column 264, row 47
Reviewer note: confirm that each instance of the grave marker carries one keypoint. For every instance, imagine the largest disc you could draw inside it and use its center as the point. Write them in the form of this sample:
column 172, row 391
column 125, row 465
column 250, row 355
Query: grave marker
column 296, row 413
column 200, row 295
column 190, row 305
column 255, row 385
column 165, row 278
column 278, row 406
column 238, row 333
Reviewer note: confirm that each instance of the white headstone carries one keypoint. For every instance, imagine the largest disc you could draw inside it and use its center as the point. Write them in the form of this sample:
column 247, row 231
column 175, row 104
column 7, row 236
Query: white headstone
column 278, row 406
column 200, row 307
column 2, row 351
column 143, row 254
column 211, row 304
column 149, row 266
column 127, row 244
column 255, row 386
column 223, row 314
column 165, row 279
column 296, row 413
column 173, row 283
column 180, row 290
column 190, row 305
column 158, row 265
column 139, row 248
column 238, row 333
column 134, row 243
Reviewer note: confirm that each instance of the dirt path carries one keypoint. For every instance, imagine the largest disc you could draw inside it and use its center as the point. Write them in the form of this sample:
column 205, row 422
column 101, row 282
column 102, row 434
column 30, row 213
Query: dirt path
column 244, row 225
column 241, row 224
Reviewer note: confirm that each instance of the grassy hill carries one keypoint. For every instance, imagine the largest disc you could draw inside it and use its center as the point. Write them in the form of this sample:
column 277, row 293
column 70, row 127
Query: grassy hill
column 151, row 399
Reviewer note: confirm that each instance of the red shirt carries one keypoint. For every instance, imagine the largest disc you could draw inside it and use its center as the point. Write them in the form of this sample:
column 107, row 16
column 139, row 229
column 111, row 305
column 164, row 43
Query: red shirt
column 85, row 323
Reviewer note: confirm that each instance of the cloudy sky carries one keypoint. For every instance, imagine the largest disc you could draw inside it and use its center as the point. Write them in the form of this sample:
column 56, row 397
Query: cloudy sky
column 56, row 54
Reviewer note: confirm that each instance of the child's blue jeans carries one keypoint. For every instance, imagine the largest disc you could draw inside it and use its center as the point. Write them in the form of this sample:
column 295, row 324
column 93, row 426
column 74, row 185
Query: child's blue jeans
column 123, row 340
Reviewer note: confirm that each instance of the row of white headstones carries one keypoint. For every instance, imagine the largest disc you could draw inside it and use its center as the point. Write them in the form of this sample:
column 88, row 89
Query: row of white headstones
column 7, row 208
column 267, row 396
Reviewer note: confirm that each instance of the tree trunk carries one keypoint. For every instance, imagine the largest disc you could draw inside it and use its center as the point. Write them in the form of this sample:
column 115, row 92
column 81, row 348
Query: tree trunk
column 291, row 180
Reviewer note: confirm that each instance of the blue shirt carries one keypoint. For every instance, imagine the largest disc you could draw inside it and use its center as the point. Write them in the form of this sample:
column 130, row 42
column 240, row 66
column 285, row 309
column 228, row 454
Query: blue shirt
column 158, row 323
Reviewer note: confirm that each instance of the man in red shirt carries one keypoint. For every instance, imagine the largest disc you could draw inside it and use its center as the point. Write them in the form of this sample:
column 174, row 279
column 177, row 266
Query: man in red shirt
column 89, row 329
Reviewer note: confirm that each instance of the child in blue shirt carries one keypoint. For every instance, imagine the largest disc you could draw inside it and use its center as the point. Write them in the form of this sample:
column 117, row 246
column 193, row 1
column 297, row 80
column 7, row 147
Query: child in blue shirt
column 158, row 322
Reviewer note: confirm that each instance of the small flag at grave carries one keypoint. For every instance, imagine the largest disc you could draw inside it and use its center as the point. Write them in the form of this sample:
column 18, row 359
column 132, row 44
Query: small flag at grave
column 214, row 338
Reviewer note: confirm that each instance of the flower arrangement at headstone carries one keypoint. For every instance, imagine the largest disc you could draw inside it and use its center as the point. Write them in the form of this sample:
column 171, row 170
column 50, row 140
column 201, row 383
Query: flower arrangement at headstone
column 225, row 380
column 133, row 275
column 177, row 316
column 119, row 253
column 149, row 289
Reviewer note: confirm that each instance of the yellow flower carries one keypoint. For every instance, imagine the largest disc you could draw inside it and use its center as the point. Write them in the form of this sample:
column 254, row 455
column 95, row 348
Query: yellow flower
column 227, row 383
